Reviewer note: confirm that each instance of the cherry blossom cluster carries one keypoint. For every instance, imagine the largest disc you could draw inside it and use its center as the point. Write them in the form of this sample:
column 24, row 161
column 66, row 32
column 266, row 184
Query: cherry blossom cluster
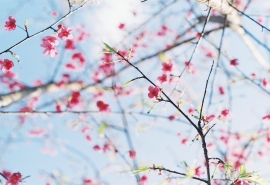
column 12, row 178
column 49, row 43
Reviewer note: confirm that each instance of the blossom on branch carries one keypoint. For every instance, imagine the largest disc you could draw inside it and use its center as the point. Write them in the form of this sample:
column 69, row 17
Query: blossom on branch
column 103, row 107
column 14, row 179
column 132, row 154
column 7, row 65
column 234, row 62
column 225, row 115
column 65, row 33
column 153, row 92
column 167, row 67
column 10, row 24
column 49, row 43
column 70, row 44
column 143, row 180
column 162, row 78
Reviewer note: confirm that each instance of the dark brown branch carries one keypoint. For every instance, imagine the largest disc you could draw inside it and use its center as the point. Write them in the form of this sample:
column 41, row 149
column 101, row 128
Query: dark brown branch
column 49, row 27
column 178, row 173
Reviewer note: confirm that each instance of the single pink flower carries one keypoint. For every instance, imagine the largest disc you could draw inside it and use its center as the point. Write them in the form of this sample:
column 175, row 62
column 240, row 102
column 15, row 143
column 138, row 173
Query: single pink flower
column 143, row 180
column 132, row 154
column 88, row 138
column 75, row 99
column 234, row 62
column 37, row 133
column 7, row 66
column 198, row 171
column 172, row 117
column 58, row 108
column 96, row 148
column 221, row 90
column 162, row 78
column 184, row 141
column 88, row 182
column 191, row 111
column 209, row 118
column 14, row 179
column 49, row 43
column 121, row 26
column 103, row 107
column 70, row 44
column 225, row 115
column 65, row 33
column 153, row 92
column 266, row 83
column 10, row 24
column 167, row 67
column 79, row 56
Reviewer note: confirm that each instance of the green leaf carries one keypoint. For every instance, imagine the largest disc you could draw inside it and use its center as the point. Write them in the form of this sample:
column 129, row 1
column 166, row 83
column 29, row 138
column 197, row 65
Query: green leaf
column 140, row 169
column 181, row 102
column 242, row 171
column 127, row 83
column 109, row 49
column 185, row 163
column 102, row 127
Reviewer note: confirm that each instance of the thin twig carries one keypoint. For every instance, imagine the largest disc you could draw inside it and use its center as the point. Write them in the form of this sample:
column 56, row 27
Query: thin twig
column 263, row 27
column 49, row 27
column 175, row 172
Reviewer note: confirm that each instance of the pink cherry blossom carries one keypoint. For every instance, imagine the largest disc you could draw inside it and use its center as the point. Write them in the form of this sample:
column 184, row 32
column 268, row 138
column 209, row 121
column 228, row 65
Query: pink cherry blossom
column 221, row 90
column 10, row 24
column 80, row 57
column 172, row 117
column 143, row 180
column 132, row 154
column 75, row 99
column 70, row 45
column 184, row 141
column 266, row 119
column 65, row 33
column 198, row 171
column 164, row 31
column 103, row 107
column 209, row 118
column 88, row 182
column 191, row 111
column 234, row 62
column 153, row 92
column 58, row 108
column 266, row 83
column 121, row 26
column 88, row 138
column 37, row 133
column 49, row 43
column 97, row 148
column 167, row 67
column 14, row 179
column 7, row 65
column 225, row 115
